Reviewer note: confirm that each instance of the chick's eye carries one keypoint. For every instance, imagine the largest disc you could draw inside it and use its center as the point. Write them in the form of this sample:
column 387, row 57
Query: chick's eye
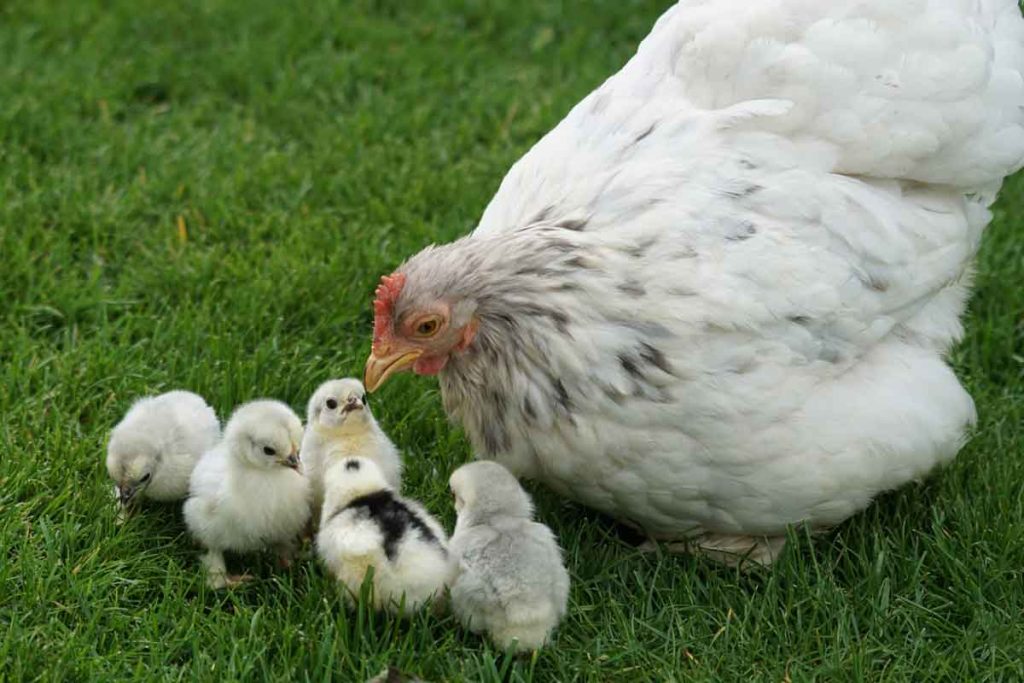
column 269, row 451
column 145, row 478
column 427, row 327
column 331, row 404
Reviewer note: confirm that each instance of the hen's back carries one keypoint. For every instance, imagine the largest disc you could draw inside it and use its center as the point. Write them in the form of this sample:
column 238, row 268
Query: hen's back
column 923, row 90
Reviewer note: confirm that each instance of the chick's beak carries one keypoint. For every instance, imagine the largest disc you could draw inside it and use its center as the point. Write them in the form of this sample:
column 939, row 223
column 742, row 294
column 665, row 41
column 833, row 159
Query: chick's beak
column 125, row 494
column 383, row 363
column 292, row 460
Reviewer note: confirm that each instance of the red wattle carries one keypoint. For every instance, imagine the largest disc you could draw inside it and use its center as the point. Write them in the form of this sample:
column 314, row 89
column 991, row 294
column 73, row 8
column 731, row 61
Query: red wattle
column 429, row 365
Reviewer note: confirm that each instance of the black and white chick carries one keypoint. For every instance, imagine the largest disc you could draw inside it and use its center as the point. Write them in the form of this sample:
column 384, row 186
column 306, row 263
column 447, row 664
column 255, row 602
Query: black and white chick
column 248, row 493
column 366, row 524
column 511, row 583
column 339, row 424
column 152, row 451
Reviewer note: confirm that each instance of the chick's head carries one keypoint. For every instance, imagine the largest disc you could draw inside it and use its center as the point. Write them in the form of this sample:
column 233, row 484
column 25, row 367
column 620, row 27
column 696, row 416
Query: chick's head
column 131, row 463
column 485, row 489
column 339, row 404
column 265, row 434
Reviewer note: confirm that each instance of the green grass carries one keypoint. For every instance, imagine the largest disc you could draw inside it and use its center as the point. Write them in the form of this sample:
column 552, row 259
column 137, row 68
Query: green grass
column 308, row 148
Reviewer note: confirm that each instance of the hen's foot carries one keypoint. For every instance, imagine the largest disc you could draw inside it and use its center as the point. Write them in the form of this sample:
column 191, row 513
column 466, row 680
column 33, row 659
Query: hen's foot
column 745, row 552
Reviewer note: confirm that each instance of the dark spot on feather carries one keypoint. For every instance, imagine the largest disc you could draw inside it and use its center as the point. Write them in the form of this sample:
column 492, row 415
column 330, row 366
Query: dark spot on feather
column 747, row 164
column 632, row 288
column 560, row 319
column 648, row 131
column 646, row 329
column 567, row 287
column 655, row 357
column 393, row 517
column 561, row 395
column 629, row 365
column 529, row 410
column 681, row 291
column 875, row 283
column 743, row 367
column 663, row 397
column 352, row 465
column 577, row 262
column 686, row 253
column 529, row 271
column 576, row 224
column 829, row 354
column 499, row 401
column 638, row 250
column 746, row 231
column 543, row 214
column 799, row 319
column 614, row 394
column 742, row 192
column 561, row 246
column 494, row 435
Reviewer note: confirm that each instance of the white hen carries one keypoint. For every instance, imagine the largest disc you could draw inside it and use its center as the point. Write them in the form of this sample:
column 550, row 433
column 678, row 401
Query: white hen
column 716, row 299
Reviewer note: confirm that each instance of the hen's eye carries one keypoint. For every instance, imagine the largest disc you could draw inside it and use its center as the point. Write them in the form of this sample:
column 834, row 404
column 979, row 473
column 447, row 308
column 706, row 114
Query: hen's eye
column 331, row 404
column 269, row 451
column 427, row 327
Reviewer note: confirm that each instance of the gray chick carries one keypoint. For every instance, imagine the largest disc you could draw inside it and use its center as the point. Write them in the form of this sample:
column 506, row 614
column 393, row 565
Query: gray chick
column 511, row 583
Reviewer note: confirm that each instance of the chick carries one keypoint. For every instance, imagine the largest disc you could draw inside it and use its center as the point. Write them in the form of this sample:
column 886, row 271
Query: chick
column 154, row 448
column 511, row 582
column 365, row 525
column 339, row 424
column 248, row 494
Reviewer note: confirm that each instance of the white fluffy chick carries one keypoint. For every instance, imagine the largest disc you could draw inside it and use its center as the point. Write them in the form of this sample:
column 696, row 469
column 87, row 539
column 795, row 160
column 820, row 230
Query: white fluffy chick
column 248, row 494
column 154, row 448
column 511, row 582
column 366, row 524
column 339, row 424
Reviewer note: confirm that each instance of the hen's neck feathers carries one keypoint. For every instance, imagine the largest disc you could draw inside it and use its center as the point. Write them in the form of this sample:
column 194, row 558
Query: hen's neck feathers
column 547, row 324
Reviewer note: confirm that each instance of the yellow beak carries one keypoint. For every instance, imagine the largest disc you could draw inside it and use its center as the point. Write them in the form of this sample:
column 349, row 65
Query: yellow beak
column 379, row 368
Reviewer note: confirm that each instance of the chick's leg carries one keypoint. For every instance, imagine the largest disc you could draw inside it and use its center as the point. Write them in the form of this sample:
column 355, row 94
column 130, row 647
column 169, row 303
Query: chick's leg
column 217, row 576
column 285, row 552
column 216, row 569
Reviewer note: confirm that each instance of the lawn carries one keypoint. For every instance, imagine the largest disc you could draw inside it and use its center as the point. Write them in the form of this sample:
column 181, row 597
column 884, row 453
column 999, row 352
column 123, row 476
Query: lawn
column 203, row 194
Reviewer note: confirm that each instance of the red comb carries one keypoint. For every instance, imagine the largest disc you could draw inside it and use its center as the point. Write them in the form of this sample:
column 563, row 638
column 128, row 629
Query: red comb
column 383, row 306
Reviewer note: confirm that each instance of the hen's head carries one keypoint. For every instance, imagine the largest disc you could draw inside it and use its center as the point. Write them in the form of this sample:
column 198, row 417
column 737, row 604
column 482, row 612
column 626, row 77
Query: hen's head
column 418, row 324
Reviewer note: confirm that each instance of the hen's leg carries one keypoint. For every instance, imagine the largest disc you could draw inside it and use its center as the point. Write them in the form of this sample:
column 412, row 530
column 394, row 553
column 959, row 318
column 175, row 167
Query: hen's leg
column 745, row 552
